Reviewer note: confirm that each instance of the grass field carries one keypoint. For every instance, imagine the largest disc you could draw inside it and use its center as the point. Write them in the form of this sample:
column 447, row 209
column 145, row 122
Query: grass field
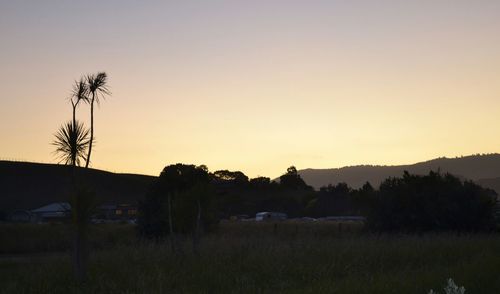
column 254, row 258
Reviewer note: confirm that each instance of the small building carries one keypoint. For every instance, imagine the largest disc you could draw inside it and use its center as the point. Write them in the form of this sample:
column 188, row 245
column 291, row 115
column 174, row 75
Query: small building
column 126, row 211
column 54, row 212
column 114, row 212
column 270, row 216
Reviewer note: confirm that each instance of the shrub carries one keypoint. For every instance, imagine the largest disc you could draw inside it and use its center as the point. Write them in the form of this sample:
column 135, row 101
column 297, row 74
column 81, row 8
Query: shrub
column 433, row 202
column 179, row 201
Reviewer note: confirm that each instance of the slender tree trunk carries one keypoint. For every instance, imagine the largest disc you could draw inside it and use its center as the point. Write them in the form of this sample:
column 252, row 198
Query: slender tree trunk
column 80, row 242
column 79, row 233
column 80, row 260
column 74, row 113
column 73, row 154
column 170, row 225
column 196, row 235
column 169, row 200
column 91, row 130
column 80, row 254
column 198, row 218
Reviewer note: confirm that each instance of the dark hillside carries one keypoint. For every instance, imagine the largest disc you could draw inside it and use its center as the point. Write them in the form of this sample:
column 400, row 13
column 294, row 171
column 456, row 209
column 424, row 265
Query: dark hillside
column 475, row 167
column 493, row 183
column 25, row 185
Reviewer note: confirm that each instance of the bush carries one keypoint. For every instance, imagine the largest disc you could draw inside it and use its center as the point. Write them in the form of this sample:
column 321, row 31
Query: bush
column 433, row 202
column 179, row 201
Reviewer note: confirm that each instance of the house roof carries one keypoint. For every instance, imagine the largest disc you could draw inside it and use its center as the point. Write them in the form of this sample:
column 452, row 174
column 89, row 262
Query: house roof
column 53, row 207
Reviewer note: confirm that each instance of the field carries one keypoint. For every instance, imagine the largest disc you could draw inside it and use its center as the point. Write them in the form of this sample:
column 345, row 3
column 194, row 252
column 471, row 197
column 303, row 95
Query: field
column 249, row 258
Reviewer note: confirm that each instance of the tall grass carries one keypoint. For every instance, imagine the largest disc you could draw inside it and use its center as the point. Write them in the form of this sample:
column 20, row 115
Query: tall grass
column 35, row 238
column 257, row 258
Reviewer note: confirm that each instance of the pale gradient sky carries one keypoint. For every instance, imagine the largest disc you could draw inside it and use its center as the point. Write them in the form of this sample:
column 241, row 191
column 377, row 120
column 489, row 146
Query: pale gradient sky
column 255, row 86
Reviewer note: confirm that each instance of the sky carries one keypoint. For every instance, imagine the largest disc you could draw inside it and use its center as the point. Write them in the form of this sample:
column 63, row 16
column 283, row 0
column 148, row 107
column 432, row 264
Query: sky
column 254, row 86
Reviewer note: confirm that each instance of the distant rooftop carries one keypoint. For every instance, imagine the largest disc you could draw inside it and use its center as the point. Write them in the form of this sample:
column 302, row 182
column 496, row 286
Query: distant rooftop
column 53, row 207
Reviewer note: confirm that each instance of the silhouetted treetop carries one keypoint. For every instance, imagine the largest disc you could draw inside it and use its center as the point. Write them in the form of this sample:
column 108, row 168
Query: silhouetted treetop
column 179, row 177
column 179, row 201
column 292, row 180
column 260, row 182
column 97, row 86
column 236, row 177
column 431, row 202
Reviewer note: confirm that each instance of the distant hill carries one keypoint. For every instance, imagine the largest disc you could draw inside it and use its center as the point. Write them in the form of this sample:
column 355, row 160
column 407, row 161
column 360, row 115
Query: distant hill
column 25, row 185
column 483, row 169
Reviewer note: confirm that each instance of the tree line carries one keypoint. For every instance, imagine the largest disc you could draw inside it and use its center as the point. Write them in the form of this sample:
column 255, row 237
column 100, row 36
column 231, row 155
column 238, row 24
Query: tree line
column 190, row 199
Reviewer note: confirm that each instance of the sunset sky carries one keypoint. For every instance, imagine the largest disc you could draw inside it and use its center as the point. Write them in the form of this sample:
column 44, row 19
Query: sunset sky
column 254, row 86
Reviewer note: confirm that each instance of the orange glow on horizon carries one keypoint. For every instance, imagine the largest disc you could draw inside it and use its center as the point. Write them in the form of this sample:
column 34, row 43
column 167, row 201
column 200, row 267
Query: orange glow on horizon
column 256, row 86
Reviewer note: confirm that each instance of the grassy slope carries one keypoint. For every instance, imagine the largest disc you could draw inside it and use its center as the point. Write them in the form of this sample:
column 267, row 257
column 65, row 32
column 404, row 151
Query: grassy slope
column 25, row 185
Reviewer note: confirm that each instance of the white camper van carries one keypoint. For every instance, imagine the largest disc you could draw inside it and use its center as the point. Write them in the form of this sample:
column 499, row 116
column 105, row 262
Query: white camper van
column 270, row 216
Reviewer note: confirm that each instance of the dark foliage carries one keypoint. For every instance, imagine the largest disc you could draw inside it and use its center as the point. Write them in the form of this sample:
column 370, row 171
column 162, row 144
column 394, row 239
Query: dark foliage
column 292, row 180
column 260, row 182
column 433, row 202
column 236, row 178
column 182, row 195
column 332, row 200
column 97, row 89
column 363, row 199
column 237, row 195
column 97, row 86
column 71, row 142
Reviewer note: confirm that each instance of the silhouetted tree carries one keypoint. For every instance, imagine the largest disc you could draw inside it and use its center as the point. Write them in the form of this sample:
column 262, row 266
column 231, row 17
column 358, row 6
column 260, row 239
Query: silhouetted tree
column 71, row 142
column 261, row 194
column 333, row 200
column 260, row 182
column 292, row 180
column 180, row 201
column 363, row 199
column 237, row 177
column 97, row 88
column 433, row 202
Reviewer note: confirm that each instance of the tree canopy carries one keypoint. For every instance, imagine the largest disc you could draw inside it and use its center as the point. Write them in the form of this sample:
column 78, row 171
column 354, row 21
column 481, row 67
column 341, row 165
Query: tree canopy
column 433, row 202
column 292, row 180
column 179, row 201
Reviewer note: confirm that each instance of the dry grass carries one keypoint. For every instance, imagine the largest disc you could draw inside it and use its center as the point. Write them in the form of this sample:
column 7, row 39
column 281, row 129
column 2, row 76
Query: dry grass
column 258, row 258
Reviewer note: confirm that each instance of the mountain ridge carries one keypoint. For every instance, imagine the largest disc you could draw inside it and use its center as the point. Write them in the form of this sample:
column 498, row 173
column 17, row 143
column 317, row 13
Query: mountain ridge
column 483, row 168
